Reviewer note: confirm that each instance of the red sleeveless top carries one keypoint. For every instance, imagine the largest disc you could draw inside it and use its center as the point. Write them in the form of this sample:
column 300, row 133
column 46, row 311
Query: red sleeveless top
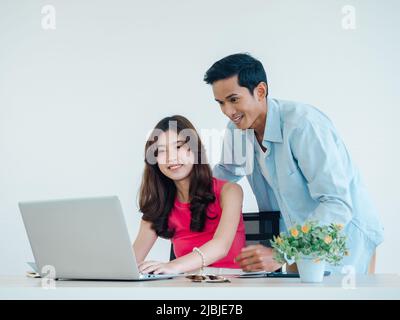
column 184, row 240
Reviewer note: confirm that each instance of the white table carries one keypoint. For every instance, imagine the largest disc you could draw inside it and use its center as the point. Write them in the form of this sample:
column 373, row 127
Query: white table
column 381, row 286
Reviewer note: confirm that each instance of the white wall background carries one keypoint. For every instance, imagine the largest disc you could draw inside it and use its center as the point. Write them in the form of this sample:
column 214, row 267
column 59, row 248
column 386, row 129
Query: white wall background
column 77, row 102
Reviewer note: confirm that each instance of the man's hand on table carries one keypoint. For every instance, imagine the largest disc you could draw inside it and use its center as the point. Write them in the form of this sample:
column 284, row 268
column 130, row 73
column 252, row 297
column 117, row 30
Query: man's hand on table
column 257, row 258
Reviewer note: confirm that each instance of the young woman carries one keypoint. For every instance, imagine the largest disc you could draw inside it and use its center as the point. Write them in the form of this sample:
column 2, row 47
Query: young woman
column 181, row 201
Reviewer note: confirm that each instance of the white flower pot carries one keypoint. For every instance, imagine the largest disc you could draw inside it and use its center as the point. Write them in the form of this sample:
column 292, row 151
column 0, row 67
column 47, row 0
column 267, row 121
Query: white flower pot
column 310, row 270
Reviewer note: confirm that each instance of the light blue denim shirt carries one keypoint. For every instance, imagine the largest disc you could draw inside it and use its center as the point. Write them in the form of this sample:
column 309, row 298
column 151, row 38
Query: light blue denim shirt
column 306, row 173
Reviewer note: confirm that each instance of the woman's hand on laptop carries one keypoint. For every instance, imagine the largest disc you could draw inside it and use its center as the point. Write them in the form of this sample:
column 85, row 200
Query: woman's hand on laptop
column 157, row 267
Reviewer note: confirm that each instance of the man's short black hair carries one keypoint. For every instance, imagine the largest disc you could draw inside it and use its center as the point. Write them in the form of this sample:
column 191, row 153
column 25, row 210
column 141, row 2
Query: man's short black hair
column 249, row 70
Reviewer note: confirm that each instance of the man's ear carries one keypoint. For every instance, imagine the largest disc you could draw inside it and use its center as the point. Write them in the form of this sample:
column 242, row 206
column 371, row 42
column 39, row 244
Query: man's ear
column 261, row 91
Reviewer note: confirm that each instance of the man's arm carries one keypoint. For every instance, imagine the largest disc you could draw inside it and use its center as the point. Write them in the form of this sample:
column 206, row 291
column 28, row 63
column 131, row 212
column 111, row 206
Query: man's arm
column 324, row 162
column 223, row 172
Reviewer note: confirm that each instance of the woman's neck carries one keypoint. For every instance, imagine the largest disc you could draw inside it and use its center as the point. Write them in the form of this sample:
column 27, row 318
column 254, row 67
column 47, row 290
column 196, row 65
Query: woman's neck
column 182, row 190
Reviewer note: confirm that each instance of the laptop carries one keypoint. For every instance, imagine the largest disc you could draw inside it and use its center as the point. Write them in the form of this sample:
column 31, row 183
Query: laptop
column 84, row 238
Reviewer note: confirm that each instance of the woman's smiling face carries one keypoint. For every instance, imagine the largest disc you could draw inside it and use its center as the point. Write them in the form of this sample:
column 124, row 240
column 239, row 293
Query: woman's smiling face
column 174, row 157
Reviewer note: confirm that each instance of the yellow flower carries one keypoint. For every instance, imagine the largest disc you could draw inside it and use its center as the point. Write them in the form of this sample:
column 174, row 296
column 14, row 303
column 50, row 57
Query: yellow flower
column 339, row 226
column 294, row 232
column 328, row 239
column 279, row 240
column 305, row 228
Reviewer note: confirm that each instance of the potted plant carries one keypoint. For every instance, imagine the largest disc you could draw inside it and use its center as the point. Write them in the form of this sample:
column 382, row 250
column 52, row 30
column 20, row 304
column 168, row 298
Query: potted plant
column 311, row 246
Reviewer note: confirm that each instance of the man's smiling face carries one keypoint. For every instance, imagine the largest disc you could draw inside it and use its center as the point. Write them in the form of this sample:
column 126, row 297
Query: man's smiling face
column 236, row 102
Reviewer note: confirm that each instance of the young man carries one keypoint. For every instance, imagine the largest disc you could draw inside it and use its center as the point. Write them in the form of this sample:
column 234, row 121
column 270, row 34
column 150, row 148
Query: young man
column 299, row 164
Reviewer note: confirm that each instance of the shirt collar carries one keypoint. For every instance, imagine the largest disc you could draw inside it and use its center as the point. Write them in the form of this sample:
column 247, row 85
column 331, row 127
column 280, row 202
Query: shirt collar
column 273, row 130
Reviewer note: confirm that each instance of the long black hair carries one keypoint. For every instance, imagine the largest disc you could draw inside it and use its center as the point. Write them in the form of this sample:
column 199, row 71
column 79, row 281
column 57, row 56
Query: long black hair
column 158, row 192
